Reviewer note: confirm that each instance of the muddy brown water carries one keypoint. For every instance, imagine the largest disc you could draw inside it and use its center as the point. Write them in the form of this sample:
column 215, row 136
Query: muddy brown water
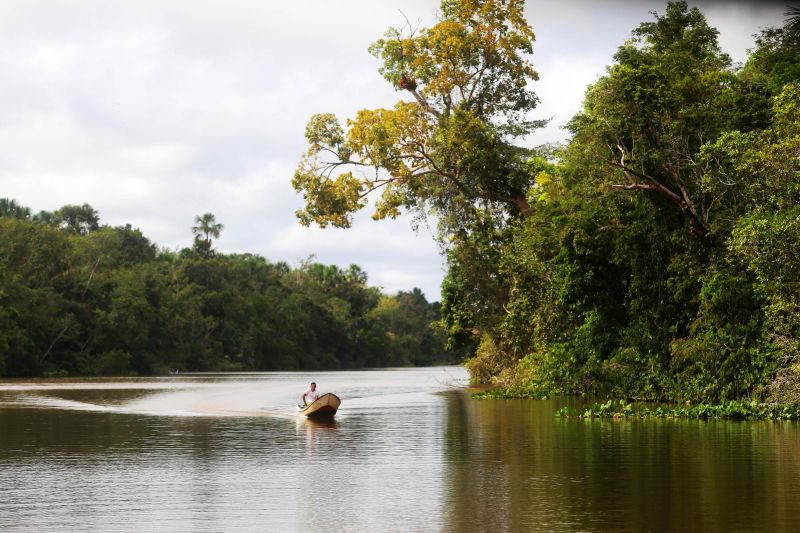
column 409, row 450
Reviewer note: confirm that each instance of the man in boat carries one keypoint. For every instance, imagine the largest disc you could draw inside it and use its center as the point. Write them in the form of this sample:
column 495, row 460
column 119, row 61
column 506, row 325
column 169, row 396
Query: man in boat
column 310, row 395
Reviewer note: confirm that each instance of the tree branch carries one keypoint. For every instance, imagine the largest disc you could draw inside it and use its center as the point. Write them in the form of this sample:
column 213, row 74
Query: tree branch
column 60, row 334
column 633, row 186
column 682, row 201
column 655, row 185
column 91, row 275
column 424, row 103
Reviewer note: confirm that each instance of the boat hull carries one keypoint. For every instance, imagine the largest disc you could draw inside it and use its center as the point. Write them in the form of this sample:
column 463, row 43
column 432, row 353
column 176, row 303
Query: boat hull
column 323, row 407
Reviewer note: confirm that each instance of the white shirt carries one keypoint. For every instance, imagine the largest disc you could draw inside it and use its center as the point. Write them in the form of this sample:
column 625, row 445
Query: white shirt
column 311, row 395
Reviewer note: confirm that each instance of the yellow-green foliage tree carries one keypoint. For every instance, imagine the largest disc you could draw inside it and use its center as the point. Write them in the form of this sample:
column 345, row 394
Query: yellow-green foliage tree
column 447, row 149
column 651, row 257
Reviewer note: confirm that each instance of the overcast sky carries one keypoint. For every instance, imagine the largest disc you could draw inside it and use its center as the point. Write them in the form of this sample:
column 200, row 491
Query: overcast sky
column 156, row 111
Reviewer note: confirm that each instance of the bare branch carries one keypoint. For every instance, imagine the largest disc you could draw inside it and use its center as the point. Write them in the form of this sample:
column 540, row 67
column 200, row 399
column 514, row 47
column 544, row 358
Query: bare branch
column 479, row 73
column 379, row 183
column 60, row 334
column 656, row 185
column 424, row 103
column 91, row 275
column 634, row 186
column 684, row 203
column 411, row 30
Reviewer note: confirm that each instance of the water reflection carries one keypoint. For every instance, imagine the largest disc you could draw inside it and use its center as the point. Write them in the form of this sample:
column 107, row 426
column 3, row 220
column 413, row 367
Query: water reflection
column 223, row 454
column 535, row 472
column 405, row 453
column 314, row 430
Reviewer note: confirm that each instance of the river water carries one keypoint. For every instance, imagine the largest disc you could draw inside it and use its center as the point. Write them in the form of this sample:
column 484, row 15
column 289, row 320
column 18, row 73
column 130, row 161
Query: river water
column 409, row 450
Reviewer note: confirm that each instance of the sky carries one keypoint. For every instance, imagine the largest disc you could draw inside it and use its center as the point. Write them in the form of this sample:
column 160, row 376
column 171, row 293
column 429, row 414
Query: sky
column 155, row 111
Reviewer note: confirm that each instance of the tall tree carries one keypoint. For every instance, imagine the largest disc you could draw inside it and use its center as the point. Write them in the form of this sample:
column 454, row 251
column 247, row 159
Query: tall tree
column 447, row 151
column 668, row 93
column 205, row 229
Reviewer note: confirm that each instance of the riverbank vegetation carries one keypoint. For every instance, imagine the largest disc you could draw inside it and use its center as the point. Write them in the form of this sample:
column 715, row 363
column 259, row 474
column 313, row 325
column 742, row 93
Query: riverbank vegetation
column 652, row 256
column 81, row 298
column 732, row 409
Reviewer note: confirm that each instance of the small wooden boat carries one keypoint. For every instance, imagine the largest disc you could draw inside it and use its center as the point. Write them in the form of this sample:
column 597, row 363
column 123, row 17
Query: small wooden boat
column 323, row 407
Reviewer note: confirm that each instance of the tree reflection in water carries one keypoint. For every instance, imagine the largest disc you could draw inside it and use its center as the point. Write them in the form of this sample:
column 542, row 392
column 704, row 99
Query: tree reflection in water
column 513, row 466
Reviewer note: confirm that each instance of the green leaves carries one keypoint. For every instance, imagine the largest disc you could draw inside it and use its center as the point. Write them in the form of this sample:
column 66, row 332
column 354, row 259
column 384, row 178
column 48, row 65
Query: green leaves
column 79, row 219
column 473, row 59
column 328, row 201
column 324, row 131
column 658, row 258
column 105, row 303
column 621, row 409
column 447, row 151
column 9, row 208
column 670, row 92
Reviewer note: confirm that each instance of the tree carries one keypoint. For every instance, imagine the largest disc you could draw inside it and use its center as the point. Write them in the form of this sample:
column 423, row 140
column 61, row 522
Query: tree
column 774, row 62
column 9, row 208
column 792, row 25
column 409, row 324
column 765, row 235
column 36, row 316
column 77, row 219
column 669, row 93
column 449, row 150
column 655, row 259
column 44, row 217
column 206, row 227
column 109, row 303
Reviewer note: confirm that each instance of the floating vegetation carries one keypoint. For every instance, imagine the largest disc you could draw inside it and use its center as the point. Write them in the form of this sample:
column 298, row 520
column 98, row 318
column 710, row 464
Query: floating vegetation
column 743, row 410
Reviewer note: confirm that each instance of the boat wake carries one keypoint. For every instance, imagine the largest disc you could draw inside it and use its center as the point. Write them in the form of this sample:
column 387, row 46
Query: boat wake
column 208, row 399
column 232, row 395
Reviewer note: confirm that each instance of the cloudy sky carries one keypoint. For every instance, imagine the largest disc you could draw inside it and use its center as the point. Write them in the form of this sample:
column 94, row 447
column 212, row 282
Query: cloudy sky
column 156, row 111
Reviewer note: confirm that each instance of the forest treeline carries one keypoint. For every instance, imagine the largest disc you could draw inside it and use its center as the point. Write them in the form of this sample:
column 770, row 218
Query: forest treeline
column 654, row 255
column 81, row 298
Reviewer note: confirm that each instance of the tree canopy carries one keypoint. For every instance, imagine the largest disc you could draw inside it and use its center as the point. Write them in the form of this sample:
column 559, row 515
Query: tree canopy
column 652, row 256
column 447, row 151
column 107, row 301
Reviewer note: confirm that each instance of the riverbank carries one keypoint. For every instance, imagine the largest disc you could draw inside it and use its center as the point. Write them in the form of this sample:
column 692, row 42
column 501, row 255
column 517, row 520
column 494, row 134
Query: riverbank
column 620, row 408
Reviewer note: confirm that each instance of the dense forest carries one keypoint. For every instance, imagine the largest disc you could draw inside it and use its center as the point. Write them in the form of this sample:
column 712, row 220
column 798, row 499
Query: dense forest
column 653, row 255
column 80, row 298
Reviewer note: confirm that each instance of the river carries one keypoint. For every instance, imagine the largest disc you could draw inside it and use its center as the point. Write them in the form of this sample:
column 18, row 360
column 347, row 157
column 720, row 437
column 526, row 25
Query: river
column 409, row 450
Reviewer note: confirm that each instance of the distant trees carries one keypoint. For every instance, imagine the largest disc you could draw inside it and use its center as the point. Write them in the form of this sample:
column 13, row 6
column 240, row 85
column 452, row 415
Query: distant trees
column 408, row 319
column 106, row 301
column 11, row 209
column 78, row 219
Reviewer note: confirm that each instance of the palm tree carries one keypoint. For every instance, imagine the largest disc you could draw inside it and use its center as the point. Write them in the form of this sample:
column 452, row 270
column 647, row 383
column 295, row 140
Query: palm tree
column 205, row 228
column 78, row 219
column 792, row 24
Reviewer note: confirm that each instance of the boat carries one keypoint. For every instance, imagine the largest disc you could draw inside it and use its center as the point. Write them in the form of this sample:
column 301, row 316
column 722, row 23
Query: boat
column 323, row 407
